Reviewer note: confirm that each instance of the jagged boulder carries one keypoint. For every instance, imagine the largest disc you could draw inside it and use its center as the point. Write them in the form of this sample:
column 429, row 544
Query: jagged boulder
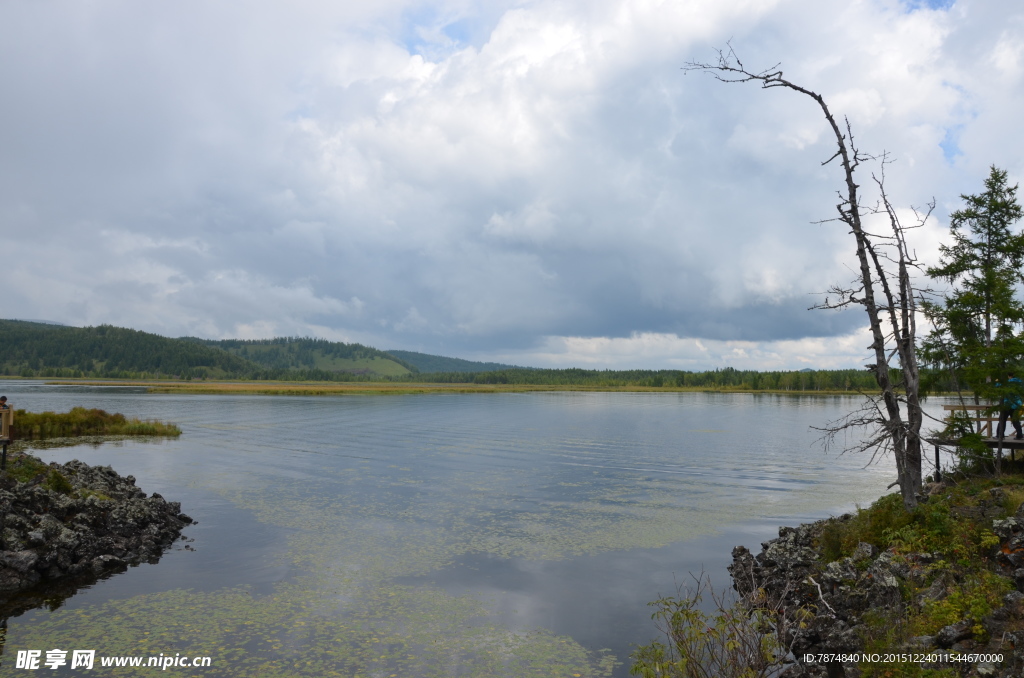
column 825, row 603
column 94, row 522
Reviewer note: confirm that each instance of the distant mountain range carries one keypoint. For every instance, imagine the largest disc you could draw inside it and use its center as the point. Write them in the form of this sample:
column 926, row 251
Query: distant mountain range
column 48, row 349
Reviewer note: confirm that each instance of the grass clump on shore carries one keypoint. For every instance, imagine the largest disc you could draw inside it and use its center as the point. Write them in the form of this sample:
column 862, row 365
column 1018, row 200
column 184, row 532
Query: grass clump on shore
column 85, row 422
column 25, row 467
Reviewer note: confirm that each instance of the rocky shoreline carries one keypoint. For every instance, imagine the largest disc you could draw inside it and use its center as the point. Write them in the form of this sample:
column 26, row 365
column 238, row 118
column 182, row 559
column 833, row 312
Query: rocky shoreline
column 74, row 522
column 834, row 608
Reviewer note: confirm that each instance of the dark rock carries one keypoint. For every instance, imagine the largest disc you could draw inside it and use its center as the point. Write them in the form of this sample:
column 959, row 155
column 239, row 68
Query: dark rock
column 921, row 643
column 937, row 591
column 107, row 562
column 954, row 633
column 826, row 605
column 864, row 550
column 19, row 561
column 101, row 526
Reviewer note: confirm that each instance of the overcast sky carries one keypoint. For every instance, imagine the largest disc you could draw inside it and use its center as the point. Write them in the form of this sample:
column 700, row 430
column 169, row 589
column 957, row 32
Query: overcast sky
column 528, row 182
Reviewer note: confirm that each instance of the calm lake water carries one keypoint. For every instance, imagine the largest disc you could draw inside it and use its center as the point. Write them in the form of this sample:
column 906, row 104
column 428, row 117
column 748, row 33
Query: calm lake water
column 437, row 535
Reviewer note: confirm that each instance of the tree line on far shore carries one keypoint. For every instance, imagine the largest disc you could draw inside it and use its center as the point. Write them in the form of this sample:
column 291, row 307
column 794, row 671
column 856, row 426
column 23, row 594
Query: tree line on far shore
column 726, row 379
column 53, row 351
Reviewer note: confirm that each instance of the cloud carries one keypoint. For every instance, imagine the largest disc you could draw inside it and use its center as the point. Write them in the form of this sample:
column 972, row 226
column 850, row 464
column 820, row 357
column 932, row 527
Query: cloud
column 485, row 179
column 650, row 350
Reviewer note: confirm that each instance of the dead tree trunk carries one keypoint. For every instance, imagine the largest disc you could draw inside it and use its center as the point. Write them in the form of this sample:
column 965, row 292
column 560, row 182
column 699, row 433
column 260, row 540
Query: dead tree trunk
column 883, row 288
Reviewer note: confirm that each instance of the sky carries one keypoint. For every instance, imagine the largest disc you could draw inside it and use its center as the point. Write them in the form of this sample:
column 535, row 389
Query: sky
column 535, row 183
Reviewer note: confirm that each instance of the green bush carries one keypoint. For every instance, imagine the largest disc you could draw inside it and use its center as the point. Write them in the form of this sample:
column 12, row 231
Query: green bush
column 24, row 468
column 737, row 640
column 57, row 482
column 973, row 598
column 839, row 538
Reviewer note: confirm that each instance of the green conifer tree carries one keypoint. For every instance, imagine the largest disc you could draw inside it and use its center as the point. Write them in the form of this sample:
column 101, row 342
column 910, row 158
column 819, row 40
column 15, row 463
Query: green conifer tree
column 977, row 324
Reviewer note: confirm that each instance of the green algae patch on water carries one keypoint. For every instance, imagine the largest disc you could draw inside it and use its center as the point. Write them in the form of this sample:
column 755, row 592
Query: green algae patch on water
column 344, row 615
column 383, row 631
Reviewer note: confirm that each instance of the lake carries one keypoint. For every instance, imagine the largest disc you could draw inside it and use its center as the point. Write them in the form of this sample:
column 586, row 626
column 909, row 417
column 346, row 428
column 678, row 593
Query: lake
column 438, row 535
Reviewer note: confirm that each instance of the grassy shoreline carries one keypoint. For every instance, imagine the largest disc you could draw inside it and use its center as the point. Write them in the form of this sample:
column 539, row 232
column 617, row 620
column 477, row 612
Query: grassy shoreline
column 79, row 422
column 405, row 388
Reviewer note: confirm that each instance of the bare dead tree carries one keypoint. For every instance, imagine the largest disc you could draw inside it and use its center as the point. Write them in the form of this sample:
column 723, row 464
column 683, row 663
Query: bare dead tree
column 883, row 287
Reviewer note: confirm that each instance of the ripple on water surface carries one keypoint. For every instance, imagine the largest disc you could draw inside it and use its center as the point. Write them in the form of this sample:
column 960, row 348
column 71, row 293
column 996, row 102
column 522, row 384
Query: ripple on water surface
column 440, row 535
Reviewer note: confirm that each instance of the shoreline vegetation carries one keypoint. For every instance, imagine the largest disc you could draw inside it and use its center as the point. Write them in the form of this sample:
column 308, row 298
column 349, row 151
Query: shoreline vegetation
column 941, row 582
column 311, row 388
column 80, row 422
column 68, row 525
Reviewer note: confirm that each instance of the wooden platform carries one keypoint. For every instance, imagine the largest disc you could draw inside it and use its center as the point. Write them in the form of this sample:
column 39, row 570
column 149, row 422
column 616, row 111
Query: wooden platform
column 985, row 424
column 1008, row 443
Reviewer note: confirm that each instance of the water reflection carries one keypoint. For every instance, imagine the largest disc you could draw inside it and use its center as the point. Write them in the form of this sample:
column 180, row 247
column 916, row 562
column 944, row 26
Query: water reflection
column 441, row 534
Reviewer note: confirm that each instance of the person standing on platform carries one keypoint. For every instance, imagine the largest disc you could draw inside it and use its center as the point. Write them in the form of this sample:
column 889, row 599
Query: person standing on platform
column 1009, row 406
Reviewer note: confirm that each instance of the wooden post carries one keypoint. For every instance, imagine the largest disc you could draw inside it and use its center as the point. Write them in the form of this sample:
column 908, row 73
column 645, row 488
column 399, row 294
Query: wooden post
column 6, row 419
column 938, row 469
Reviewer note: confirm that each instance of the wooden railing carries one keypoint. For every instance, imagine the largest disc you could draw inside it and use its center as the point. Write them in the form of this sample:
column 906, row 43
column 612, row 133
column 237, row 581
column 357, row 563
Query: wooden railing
column 6, row 420
column 982, row 421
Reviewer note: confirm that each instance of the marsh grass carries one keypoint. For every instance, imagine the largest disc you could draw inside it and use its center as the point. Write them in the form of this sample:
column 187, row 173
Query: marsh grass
column 85, row 422
column 364, row 387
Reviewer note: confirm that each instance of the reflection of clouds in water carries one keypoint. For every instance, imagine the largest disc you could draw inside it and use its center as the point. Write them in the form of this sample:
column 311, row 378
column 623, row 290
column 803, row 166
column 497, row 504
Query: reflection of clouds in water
column 369, row 489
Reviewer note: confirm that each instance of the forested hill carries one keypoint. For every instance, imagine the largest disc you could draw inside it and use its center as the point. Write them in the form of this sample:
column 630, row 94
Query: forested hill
column 292, row 353
column 425, row 362
column 33, row 349
column 36, row 349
